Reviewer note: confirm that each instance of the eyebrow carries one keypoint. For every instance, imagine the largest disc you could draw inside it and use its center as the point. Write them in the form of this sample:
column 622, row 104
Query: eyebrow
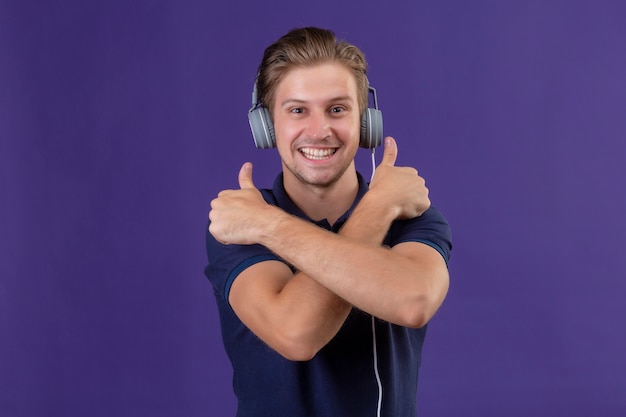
column 300, row 101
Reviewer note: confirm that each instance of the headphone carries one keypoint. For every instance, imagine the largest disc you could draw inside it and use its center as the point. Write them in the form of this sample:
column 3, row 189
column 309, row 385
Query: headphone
column 263, row 128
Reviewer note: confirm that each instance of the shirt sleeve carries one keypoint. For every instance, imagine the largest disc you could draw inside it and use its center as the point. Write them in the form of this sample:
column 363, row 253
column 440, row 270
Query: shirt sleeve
column 226, row 262
column 431, row 228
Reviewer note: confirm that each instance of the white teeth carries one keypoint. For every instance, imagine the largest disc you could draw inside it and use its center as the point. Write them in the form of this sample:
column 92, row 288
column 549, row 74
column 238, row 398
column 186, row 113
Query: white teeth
column 312, row 153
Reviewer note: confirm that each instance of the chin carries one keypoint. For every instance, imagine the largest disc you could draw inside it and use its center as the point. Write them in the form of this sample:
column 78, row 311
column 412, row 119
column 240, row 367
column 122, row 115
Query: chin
column 321, row 180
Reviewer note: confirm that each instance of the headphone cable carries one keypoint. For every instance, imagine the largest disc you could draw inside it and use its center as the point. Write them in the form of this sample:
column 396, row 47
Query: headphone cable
column 374, row 348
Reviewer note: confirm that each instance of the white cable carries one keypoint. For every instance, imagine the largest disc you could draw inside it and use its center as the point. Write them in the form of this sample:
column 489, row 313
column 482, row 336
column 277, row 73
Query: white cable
column 375, row 350
column 373, row 164
column 380, row 385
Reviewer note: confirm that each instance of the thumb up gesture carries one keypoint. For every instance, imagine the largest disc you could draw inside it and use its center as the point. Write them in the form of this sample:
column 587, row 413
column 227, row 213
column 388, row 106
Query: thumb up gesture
column 237, row 215
column 399, row 188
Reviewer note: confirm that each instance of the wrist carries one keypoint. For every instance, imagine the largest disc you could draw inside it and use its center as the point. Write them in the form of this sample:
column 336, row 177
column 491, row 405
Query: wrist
column 370, row 220
column 378, row 208
column 274, row 219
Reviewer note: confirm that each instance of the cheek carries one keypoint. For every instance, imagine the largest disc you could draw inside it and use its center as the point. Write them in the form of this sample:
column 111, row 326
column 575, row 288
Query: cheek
column 351, row 128
column 285, row 133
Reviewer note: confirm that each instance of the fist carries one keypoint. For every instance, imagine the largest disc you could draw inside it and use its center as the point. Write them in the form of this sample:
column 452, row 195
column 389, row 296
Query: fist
column 401, row 188
column 237, row 215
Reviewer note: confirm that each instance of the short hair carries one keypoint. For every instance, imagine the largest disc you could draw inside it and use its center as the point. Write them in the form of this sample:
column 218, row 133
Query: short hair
column 305, row 47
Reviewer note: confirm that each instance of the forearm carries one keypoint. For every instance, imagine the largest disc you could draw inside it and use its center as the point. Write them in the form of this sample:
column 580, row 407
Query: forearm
column 355, row 266
column 307, row 314
column 305, row 317
column 301, row 316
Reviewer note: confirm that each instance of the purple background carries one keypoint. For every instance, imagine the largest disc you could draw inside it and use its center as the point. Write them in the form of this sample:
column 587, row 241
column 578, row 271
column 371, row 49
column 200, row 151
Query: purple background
column 120, row 121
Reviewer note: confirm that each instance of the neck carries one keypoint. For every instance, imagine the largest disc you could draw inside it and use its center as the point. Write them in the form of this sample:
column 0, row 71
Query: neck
column 324, row 202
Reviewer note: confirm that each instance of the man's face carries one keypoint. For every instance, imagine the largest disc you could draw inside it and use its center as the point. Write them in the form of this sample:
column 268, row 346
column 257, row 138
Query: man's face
column 317, row 123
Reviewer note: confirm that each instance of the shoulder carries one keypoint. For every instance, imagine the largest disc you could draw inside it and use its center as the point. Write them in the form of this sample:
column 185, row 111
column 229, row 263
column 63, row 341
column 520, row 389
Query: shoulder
column 430, row 228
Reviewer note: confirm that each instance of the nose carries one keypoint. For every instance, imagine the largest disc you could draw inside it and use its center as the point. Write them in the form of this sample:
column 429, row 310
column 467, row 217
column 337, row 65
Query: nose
column 318, row 126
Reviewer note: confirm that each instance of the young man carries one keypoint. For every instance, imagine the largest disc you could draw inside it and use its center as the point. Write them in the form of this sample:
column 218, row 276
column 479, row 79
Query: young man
column 325, row 284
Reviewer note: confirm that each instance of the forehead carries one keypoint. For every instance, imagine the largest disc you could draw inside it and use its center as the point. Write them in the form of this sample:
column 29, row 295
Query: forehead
column 320, row 82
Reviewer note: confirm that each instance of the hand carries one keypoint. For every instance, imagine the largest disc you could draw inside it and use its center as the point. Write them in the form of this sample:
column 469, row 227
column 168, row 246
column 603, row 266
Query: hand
column 238, row 215
column 400, row 187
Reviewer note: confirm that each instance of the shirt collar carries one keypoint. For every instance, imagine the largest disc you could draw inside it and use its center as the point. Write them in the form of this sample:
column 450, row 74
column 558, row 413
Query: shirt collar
column 283, row 201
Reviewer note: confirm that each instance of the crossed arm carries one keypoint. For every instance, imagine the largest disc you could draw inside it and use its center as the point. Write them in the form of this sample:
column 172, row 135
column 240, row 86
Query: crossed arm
column 297, row 314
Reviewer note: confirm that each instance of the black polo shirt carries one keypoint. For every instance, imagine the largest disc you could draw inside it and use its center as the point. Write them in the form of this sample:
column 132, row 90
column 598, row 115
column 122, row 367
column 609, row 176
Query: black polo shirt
column 340, row 380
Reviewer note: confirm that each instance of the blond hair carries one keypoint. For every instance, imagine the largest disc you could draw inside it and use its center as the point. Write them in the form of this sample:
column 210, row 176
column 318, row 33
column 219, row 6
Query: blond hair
column 308, row 47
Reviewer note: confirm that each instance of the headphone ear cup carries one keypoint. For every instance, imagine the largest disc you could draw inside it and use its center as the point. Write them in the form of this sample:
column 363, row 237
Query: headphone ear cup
column 262, row 128
column 371, row 128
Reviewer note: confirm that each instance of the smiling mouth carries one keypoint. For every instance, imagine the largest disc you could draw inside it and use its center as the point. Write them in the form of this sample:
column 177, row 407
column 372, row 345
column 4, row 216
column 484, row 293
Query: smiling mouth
column 317, row 154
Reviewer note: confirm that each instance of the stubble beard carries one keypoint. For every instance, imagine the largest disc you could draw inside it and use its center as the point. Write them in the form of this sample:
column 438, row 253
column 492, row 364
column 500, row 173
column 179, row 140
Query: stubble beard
column 314, row 183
